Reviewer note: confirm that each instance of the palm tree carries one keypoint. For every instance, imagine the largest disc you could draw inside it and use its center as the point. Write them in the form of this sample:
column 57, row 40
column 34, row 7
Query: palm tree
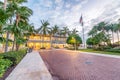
column 74, row 31
column 4, row 16
column 52, row 32
column 101, row 26
column 65, row 31
column 93, row 31
column 22, row 14
column 44, row 29
column 14, row 8
column 5, row 2
column 116, row 29
column 55, row 29
column 112, row 30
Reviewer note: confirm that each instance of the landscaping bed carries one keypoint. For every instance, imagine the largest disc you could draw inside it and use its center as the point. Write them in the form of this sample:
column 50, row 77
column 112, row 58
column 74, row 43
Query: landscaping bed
column 107, row 51
column 9, row 60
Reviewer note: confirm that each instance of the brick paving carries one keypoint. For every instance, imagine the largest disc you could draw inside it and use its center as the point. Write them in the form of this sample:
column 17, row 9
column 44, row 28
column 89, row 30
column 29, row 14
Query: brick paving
column 69, row 65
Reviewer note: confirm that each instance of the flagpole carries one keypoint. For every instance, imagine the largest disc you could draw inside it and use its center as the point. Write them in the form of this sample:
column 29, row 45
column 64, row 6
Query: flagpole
column 81, row 22
column 83, row 37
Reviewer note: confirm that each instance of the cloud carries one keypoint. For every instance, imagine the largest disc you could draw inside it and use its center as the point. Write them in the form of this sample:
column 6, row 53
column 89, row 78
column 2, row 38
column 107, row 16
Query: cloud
column 68, row 12
column 111, row 13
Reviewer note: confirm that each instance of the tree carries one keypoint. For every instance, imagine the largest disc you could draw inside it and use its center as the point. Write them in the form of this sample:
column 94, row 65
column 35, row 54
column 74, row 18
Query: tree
column 93, row 31
column 44, row 29
column 74, row 31
column 90, row 41
column 75, row 40
column 116, row 30
column 65, row 31
column 112, row 30
column 52, row 32
column 4, row 18
column 101, row 26
column 16, row 11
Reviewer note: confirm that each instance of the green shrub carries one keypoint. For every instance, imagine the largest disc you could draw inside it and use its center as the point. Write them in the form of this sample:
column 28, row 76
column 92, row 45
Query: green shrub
column 113, row 50
column 1, row 56
column 10, row 58
column 56, row 47
column 15, row 56
column 42, row 48
column 4, row 65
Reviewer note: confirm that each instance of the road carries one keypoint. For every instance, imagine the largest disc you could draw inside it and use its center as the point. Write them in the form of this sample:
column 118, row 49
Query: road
column 71, row 65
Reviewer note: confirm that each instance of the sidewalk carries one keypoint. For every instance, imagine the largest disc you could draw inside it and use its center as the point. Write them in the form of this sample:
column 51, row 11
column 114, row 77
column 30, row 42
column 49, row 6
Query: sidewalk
column 31, row 67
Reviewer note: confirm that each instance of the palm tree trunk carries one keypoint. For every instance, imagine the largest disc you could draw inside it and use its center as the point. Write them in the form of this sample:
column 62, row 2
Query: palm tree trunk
column 113, row 36
column 13, row 44
column 51, row 41
column 118, row 37
column 6, row 45
column 7, row 37
column 5, row 2
column 17, row 47
column 42, row 41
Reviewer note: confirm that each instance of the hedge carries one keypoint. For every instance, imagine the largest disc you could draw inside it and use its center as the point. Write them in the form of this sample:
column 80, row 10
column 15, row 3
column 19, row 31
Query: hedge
column 15, row 56
column 9, row 59
column 4, row 65
column 113, row 50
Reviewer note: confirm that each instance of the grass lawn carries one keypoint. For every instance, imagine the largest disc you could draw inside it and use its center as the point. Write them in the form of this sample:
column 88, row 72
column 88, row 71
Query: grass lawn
column 101, row 52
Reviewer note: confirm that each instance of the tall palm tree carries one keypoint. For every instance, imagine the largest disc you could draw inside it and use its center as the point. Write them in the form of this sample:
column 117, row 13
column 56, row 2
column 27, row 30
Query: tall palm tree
column 3, row 5
column 65, row 31
column 112, row 30
column 74, row 31
column 5, row 2
column 52, row 33
column 93, row 31
column 116, row 29
column 55, row 29
column 119, row 30
column 44, row 29
column 13, row 7
column 21, row 13
column 101, row 26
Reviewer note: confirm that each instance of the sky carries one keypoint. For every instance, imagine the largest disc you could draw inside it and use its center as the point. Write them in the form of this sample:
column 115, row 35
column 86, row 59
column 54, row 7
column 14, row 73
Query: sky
column 68, row 12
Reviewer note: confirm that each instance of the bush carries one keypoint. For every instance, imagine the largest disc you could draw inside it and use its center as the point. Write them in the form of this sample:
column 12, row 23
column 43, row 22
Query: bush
column 15, row 56
column 9, row 59
column 103, row 48
column 42, row 48
column 56, row 47
column 113, row 50
column 1, row 56
column 4, row 65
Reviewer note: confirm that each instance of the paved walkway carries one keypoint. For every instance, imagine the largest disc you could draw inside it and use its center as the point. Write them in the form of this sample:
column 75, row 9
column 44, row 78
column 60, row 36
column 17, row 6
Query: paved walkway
column 70, row 65
column 30, row 68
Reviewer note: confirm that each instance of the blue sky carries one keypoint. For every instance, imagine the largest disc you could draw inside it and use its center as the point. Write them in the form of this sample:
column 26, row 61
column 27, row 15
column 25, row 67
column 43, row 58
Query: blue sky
column 68, row 12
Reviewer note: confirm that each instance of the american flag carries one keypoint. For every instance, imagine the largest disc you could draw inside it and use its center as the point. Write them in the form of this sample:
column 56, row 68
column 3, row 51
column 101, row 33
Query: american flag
column 81, row 20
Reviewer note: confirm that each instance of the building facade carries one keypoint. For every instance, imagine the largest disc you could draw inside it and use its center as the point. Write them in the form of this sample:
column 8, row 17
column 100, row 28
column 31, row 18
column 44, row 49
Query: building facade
column 38, row 41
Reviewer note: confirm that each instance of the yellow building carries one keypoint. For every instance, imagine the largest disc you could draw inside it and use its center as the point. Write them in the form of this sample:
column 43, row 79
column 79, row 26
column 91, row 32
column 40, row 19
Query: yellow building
column 45, row 41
